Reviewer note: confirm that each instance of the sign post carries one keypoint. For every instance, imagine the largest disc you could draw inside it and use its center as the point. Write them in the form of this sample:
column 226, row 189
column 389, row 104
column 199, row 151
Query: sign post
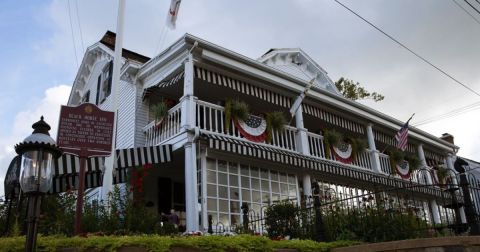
column 85, row 131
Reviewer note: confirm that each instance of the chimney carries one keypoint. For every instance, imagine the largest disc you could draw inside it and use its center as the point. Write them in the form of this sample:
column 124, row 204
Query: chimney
column 447, row 137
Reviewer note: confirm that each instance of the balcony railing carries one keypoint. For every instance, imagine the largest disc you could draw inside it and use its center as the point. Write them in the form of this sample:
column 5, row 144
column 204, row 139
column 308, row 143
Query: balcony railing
column 317, row 149
column 211, row 117
column 157, row 132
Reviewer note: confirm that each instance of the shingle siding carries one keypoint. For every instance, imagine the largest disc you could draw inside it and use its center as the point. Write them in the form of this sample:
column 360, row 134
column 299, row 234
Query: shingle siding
column 141, row 118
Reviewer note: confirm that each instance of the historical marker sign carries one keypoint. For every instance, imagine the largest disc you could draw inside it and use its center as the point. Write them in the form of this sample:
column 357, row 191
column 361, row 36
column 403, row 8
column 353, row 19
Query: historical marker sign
column 85, row 130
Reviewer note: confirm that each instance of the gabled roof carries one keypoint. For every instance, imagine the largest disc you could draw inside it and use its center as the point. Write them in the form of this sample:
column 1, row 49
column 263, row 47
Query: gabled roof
column 296, row 62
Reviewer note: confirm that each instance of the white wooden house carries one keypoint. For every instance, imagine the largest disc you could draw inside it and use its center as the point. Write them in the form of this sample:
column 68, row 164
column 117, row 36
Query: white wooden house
column 203, row 169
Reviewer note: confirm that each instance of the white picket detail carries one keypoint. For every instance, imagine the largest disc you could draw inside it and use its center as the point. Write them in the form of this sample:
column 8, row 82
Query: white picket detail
column 169, row 127
column 385, row 163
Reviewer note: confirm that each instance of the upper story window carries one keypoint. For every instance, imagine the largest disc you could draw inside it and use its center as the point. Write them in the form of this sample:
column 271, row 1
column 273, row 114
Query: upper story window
column 86, row 97
column 104, row 85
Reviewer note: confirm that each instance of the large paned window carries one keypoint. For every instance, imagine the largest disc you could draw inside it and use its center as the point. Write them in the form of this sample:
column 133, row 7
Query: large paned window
column 230, row 184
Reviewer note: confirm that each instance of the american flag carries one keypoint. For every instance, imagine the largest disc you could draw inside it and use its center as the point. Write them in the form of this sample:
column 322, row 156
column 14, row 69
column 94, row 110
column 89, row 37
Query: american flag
column 402, row 136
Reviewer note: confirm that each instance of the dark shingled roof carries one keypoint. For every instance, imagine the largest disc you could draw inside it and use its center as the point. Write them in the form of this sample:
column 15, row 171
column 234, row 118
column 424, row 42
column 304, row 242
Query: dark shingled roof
column 109, row 40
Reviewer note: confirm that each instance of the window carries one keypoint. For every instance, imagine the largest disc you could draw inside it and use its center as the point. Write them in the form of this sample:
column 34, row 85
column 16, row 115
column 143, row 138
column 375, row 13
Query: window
column 86, row 97
column 104, row 85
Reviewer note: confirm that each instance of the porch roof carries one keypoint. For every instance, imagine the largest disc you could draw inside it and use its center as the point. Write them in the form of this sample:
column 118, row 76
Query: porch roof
column 326, row 167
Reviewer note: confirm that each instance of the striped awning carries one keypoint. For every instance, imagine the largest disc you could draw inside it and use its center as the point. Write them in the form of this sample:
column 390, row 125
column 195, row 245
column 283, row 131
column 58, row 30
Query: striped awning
column 326, row 167
column 163, row 84
column 242, row 87
column 67, row 168
column 333, row 119
column 127, row 158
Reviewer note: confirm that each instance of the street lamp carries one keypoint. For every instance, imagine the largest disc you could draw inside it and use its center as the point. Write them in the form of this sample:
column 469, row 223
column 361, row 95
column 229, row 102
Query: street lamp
column 38, row 152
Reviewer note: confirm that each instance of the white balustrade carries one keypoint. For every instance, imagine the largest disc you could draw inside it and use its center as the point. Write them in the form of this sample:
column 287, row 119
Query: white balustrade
column 385, row 163
column 157, row 132
column 315, row 142
column 211, row 117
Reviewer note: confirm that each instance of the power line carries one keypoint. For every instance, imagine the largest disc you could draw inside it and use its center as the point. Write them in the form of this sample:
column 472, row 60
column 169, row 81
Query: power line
column 449, row 114
column 71, row 29
column 410, row 50
column 461, row 7
column 473, row 7
column 79, row 25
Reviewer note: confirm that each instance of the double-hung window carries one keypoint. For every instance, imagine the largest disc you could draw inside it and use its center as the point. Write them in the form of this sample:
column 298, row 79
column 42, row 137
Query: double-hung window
column 104, row 85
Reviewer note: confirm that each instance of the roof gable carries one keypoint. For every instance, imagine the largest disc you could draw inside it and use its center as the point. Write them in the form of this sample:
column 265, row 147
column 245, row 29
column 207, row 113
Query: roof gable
column 296, row 62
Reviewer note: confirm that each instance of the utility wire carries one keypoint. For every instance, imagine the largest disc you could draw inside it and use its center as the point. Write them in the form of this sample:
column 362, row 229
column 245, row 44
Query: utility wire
column 473, row 7
column 71, row 29
column 461, row 7
column 410, row 50
column 79, row 25
column 452, row 113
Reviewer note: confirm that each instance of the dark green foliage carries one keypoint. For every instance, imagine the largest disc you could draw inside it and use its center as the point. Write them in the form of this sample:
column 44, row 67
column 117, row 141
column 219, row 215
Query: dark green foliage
column 240, row 110
column 354, row 91
column 359, row 146
column 442, row 174
column 57, row 214
column 372, row 224
column 281, row 220
column 413, row 162
column 331, row 138
column 275, row 122
column 160, row 110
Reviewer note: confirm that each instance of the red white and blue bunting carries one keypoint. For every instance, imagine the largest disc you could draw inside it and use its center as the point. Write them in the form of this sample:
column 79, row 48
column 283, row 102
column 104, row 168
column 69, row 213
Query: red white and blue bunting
column 343, row 152
column 403, row 169
column 253, row 129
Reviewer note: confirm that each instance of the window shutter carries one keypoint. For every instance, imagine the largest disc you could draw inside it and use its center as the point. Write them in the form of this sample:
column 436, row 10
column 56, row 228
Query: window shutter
column 99, row 83
column 110, row 72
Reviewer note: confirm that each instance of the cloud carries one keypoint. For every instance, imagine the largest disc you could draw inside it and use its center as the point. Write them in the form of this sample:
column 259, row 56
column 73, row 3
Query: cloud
column 48, row 106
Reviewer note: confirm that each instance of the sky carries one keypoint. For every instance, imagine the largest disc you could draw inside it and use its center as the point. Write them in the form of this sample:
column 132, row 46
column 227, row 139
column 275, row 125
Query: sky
column 43, row 42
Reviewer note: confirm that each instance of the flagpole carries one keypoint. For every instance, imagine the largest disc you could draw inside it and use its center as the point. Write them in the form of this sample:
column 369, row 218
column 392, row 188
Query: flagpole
column 117, row 61
column 298, row 101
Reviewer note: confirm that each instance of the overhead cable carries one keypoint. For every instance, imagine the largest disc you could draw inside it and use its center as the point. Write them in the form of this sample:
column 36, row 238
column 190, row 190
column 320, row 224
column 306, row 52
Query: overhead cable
column 468, row 13
column 410, row 50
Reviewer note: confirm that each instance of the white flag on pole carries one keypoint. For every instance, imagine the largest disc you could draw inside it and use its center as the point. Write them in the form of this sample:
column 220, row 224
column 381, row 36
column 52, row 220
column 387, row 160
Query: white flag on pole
column 299, row 99
column 173, row 13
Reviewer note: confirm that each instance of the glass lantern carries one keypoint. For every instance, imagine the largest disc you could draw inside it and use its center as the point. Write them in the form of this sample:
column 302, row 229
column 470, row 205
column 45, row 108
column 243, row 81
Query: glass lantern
column 38, row 152
column 36, row 173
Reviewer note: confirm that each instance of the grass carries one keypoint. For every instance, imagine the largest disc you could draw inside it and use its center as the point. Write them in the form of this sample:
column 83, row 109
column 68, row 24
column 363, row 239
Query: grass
column 238, row 243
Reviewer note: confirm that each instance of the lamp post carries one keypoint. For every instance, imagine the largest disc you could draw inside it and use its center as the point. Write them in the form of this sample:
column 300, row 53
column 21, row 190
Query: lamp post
column 38, row 152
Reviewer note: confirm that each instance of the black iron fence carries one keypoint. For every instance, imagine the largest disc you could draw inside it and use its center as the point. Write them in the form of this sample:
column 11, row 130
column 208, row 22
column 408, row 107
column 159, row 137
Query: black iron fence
column 382, row 214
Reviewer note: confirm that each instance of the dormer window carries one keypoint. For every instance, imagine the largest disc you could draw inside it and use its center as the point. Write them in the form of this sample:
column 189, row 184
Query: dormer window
column 104, row 87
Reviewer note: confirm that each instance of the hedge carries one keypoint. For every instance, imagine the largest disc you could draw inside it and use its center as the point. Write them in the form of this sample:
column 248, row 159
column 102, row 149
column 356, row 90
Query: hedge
column 164, row 243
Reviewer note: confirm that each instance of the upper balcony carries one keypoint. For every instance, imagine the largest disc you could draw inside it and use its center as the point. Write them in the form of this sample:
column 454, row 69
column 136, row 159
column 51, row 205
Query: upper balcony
column 210, row 118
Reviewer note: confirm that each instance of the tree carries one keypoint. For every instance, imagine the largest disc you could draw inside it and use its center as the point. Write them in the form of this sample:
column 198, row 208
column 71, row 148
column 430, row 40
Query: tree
column 354, row 91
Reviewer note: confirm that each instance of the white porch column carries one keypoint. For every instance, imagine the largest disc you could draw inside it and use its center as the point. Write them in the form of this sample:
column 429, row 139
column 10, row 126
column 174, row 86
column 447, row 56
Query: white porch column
column 187, row 123
column 191, row 194
column 455, row 182
column 187, row 119
column 203, row 168
column 303, row 147
column 374, row 157
column 302, row 138
column 433, row 203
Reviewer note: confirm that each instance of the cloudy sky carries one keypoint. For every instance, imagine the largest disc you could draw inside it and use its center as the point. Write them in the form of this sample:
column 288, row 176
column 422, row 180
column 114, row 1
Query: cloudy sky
column 40, row 58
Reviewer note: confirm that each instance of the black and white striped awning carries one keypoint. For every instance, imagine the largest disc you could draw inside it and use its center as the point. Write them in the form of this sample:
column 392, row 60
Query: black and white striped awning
column 66, row 169
column 332, row 118
column 163, row 84
column 127, row 158
column 242, row 87
column 327, row 167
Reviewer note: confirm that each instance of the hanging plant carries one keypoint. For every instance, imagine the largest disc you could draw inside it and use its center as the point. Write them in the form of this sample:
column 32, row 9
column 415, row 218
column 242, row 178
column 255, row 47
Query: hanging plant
column 413, row 162
column 275, row 122
column 331, row 138
column 396, row 157
column 442, row 174
column 236, row 110
column 359, row 146
column 160, row 111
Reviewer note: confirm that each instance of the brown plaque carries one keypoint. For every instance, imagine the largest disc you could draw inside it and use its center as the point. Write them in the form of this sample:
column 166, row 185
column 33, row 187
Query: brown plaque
column 85, row 130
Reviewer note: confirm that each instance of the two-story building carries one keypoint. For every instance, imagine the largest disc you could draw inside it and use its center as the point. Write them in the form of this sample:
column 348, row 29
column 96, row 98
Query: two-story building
column 204, row 165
